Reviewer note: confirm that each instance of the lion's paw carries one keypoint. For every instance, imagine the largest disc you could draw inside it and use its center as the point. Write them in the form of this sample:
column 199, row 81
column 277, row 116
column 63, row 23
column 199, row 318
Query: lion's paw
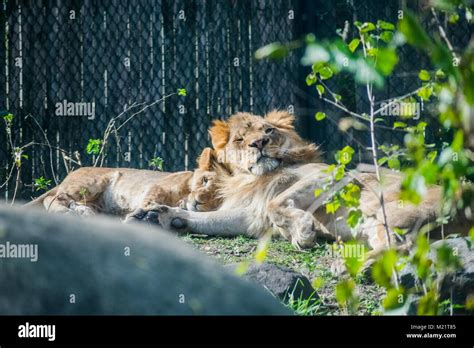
column 167, row 217
column 303, row 230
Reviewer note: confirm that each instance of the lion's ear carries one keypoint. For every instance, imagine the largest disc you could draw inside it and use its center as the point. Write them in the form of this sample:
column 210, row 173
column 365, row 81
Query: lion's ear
column 220, row 132
column 207, row 159
column 281, row 119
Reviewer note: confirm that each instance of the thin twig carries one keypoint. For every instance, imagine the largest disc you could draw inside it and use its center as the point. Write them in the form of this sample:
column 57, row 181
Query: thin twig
column 443, row 35
column 49, row 145
column 371, row 97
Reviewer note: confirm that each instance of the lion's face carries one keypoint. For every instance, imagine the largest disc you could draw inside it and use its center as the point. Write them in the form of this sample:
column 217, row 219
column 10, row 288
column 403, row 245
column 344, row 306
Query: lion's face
column 255, row 144
column 203, row 186
column 203, row 191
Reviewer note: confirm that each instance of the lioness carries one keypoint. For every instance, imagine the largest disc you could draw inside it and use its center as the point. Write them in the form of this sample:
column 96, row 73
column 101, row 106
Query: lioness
column 274, row 175
column 127, row 192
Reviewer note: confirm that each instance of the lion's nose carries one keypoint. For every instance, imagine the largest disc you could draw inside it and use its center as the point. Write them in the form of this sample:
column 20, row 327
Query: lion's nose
column 259, row 143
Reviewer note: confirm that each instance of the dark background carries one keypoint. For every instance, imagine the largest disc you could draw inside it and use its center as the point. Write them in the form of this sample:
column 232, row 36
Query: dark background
column 83, row 59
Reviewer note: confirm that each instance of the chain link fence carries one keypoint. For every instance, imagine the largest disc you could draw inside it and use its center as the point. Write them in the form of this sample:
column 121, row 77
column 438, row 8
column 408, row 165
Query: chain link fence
column 69, row 67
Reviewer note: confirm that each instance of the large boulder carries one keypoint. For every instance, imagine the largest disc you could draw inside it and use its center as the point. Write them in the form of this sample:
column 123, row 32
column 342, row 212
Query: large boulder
column 100, row 266
column 460, row 285
column 454, row 287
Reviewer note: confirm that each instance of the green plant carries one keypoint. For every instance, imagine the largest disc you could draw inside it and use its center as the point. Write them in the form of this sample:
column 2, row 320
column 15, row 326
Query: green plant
column 41, row 183
column 307, row 306
column 83, row 192
column 370, row 56
column 156, row 163
column 93, row 146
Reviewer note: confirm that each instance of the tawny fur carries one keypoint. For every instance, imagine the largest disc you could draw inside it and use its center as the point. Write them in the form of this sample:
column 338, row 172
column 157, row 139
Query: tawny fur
column 122, row 191
column 274, row 175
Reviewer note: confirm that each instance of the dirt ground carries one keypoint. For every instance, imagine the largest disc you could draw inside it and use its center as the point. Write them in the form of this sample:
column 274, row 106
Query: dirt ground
column 314, row 263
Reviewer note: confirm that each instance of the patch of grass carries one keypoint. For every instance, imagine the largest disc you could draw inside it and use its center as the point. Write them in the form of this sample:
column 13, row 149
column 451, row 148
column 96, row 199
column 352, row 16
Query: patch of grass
column 314, row 263
column 307, row 307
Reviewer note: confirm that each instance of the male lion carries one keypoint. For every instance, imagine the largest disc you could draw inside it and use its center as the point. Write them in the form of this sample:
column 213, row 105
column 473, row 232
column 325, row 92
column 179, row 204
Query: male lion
column 128, row 192
column 274, row 175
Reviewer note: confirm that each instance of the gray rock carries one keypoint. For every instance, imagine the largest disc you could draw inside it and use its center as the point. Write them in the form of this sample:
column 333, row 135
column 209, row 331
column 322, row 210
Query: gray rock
column 452, row 287
column 458, row 286
column 408, row 276
column 281, row 281
column 87, row 259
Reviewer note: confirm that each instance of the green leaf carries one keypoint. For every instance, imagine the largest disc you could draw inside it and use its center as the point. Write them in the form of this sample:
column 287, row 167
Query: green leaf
column 311, row 79
column 41, row 183
column 320, row 89
column 400, row 231
column 440, row 74
column 353, row 45
column 8, row 118
column 156, row 162
column 381, row 161
column 316, row 67
column 446, row 259
column 354, row 218
column 366, row 27
column 386, row 36
column 385, row 25
column 275, row 50
column 383, row 268
column 93, row 146
column 458, row 141
column 387, row 58
column 420, row 257
column 454, row 18
column 428, row 304
column 425, row 92
column 399, row 125
column 344, row 156
column 372, row 52
column 333, row 206
column 424, row 75
column 413, row 32
column 325, row 73
column 350, row 195
column 262, row 250
column 395, row 298
column 339, row 174
column 354, row 256
column 345, row 292
column 432, row 156
column 394, row 163
column 317, row 193
column 319, row 116
column 317, row 283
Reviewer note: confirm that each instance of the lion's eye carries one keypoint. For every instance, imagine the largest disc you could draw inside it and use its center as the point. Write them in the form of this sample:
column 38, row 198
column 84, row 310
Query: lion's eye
column 205, row 180
column 238, row 140
column 269, row 130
